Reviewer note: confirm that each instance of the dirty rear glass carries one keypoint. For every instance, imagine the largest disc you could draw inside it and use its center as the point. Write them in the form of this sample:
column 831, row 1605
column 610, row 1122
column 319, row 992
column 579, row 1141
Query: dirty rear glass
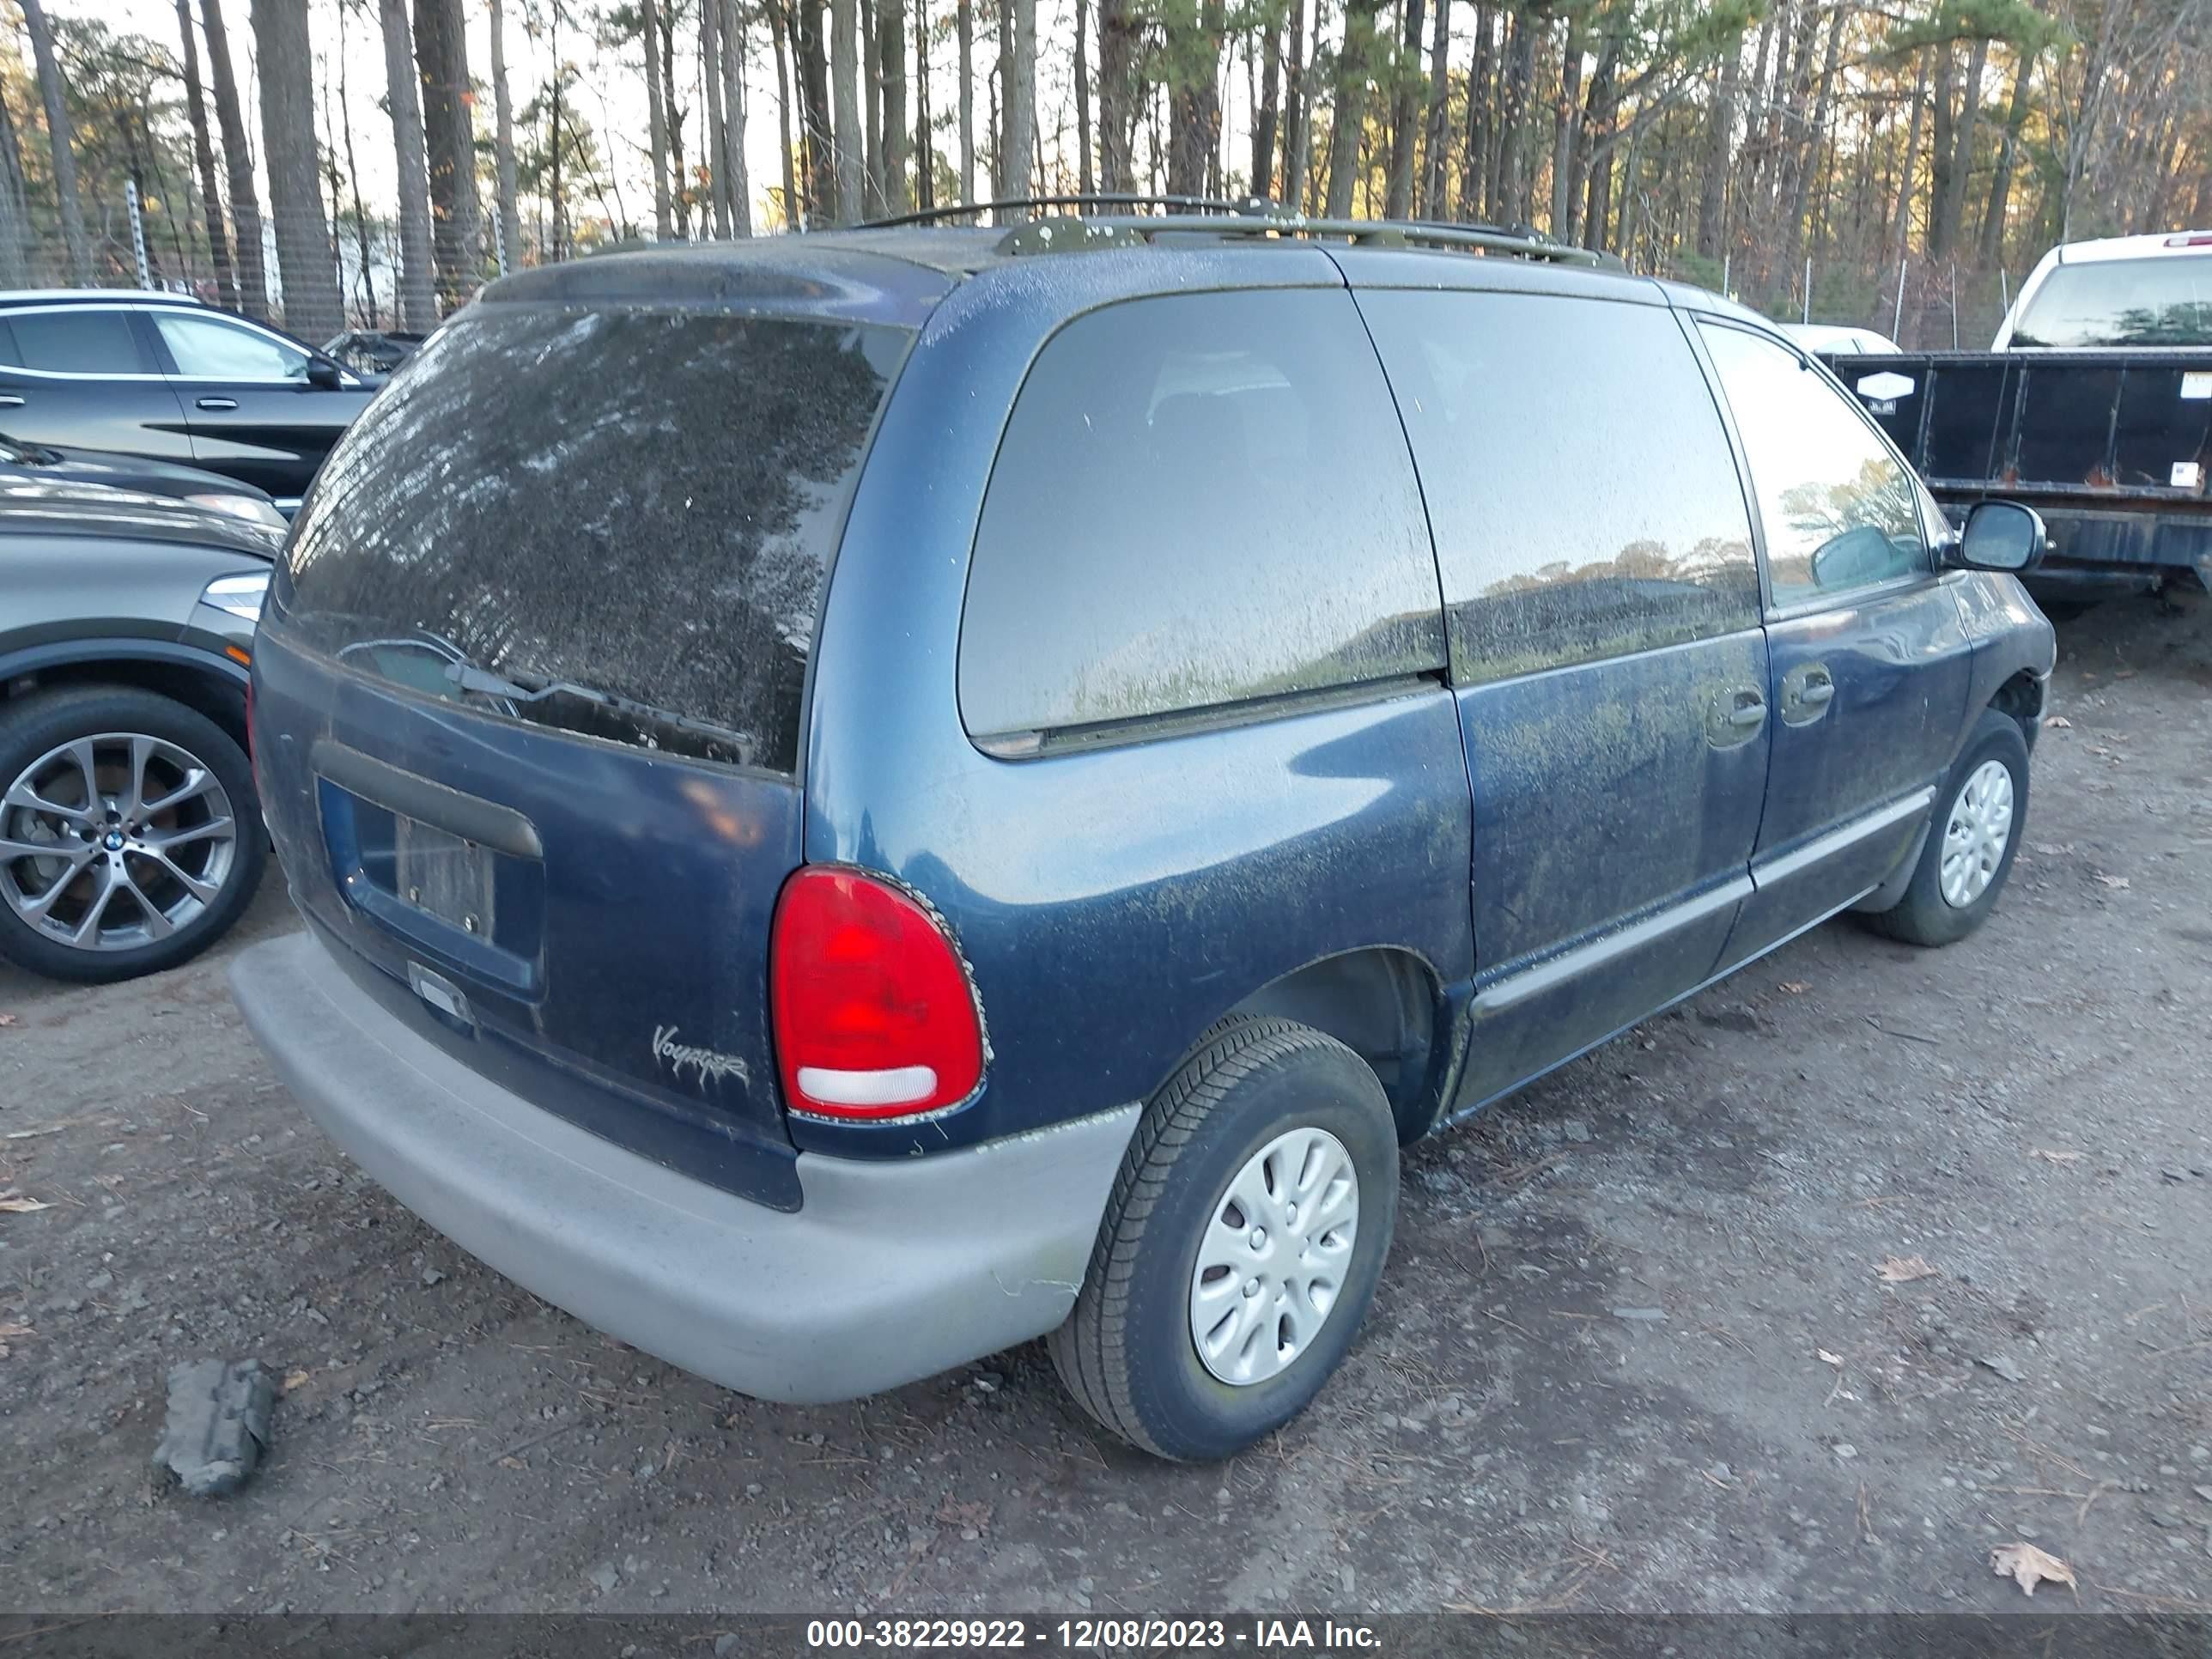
column 2122, row 302
column 1585, row 501
column 1201, row 499
column 618, row 523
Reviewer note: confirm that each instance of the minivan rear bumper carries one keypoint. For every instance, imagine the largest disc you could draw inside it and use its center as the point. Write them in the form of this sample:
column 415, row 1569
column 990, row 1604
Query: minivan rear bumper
column 889, row 1272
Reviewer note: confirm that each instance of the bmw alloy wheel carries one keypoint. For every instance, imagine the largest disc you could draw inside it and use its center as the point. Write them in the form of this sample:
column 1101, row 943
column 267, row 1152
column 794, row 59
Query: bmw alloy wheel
column 114, row 841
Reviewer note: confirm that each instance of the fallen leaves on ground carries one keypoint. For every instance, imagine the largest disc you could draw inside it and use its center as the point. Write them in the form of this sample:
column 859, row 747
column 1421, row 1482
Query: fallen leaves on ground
column 1827, row 1359
column 1796, row 987
column 2115, row 883
column 2059, row 720
column 293, row 1380
column 2029, row 1566
column 16, row 1204
column 1903, row 1270
column 9, row 1331
column 2050, row 1156
column 6, row 1019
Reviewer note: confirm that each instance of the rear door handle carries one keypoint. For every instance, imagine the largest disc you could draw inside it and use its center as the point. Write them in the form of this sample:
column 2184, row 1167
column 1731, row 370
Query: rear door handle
column 218, row 403
column 1818, row 694
column 1734, row 716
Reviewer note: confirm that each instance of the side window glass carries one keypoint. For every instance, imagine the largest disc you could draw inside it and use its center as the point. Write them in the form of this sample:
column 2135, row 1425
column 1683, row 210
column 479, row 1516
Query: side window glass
column 1584, row 498
column 206, row 349
column 1200, row 500
column 1840, row 512
column 78, row 342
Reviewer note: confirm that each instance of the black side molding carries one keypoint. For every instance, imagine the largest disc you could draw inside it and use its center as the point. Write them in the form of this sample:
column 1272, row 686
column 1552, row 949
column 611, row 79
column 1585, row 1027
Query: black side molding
column 500, row 828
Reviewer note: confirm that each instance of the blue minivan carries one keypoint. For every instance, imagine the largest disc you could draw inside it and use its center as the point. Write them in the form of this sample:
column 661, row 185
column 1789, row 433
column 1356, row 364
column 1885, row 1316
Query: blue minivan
column 865, row 797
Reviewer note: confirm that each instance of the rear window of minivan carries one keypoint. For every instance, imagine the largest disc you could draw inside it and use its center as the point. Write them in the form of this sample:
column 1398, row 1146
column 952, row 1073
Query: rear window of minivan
column 613, row 522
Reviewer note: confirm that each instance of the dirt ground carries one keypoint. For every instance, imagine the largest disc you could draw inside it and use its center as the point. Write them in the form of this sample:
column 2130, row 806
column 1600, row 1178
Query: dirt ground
column 1632, row 1353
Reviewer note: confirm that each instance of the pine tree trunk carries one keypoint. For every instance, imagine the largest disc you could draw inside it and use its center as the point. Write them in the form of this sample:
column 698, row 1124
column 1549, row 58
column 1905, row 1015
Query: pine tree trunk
column 1118, row 45
column 1084, row 179
column 1194, row 104
column 510, row 218
column 284, row 59
column 738, row 194
column 871, row 112
column 1513, row 181
column 52, row 94
column 1018, row 77
column 1405, row 113
column 795, row 209
column 1599, row 112
column 226, row 279
column 965, row 23
column 656, row 118
column 449, row 136
column 891, row 47
column 367, row 280
column 715, row 146
column 1297, row 111
column 1805, row 164
column 15, row 207
column 418, row 310
column 1993, row 217
column 238, row 164
column 814, row 86
column 1349, row 119
column 1474, row 163
column 1901, row 222
column 679, row 188
column 1566, row 119
column 1956, row 159
column 845, row 89
column 1431, row 205
column 1712, row 195
column 925, row 146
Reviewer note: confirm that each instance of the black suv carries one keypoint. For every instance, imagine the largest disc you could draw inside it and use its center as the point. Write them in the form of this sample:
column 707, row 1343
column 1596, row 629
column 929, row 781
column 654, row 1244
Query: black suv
column 129, row 838
column 163, row 376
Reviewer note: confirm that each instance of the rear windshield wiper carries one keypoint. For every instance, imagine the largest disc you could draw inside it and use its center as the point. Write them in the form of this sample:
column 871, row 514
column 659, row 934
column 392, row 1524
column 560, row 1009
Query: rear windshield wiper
column 469, row 677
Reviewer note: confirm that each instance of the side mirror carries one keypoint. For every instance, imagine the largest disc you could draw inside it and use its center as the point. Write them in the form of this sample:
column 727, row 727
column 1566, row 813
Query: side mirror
column 324, row 373
column 1999, row 536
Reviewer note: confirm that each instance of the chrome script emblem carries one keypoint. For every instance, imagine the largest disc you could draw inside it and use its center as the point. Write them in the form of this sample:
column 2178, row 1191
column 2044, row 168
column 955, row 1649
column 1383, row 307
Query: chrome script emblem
column 705, row 1062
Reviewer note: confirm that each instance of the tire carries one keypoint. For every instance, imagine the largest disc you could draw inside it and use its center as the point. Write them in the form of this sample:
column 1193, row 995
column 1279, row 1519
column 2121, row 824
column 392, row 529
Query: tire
column 192, row 773
column 1129, row 1354
column 1925, row 915
column 2065, row 611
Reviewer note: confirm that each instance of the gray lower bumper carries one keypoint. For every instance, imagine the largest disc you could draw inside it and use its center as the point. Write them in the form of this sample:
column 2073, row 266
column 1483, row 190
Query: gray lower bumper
column 890, row 1272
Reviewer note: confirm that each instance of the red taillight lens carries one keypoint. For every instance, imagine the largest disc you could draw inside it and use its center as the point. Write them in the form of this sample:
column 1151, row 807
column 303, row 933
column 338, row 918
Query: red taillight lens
column 874, row 1017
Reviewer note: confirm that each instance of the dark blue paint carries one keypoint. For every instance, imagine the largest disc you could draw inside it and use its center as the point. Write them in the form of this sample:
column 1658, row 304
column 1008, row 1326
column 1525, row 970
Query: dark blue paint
column 1563, row 852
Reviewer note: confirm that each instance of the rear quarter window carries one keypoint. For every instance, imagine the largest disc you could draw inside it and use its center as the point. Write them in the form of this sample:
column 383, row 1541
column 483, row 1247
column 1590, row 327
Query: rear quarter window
column 613, row 522
column 1585, row 501
column 1201, row 499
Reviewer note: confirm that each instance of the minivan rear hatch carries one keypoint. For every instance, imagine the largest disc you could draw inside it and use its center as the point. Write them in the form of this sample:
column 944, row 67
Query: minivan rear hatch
column 529, row 697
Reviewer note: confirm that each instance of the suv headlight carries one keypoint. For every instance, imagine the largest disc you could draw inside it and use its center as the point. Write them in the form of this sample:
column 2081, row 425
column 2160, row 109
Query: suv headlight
column 241, row 596
column 249, row 507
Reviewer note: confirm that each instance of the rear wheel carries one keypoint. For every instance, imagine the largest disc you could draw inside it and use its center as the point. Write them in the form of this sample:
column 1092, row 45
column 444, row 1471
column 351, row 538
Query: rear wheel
column 129, row 840
column 1241, row 1245
column 1970, row 840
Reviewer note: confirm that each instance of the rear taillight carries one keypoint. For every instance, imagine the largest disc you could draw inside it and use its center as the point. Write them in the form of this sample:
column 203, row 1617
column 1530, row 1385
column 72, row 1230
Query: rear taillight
column 874, row 1017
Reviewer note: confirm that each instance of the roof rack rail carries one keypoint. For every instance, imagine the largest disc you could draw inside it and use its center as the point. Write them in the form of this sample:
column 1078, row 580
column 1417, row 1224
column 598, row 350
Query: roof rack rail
column 1065, row 232
column 1240, row 206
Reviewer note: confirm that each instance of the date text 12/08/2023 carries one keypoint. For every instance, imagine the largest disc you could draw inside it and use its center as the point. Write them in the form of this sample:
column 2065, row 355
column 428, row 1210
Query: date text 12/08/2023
column 1086, row 1634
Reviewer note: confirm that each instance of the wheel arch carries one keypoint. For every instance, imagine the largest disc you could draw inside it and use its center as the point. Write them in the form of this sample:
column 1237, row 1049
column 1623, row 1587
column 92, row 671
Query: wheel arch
column 1385, row 1002
column 201, row 681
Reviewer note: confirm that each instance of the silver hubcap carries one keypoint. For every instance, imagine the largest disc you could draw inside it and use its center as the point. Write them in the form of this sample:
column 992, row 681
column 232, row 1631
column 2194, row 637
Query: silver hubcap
column 1974, row 840
column 1274, row 1256
column 114, row 842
